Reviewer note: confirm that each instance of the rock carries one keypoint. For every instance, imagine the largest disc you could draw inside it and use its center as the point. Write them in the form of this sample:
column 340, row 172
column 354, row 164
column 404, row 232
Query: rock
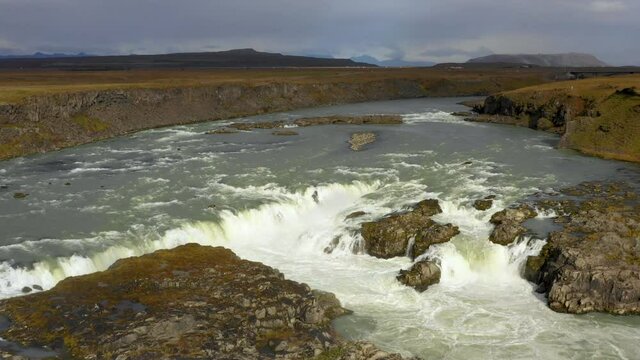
column 359, row 140
column 190, row 302
column 26, row 290
column 517, row 214
column 258, row 125
column 37, row 287
column 224, row 130
column 506, row 233
column 313, row 121
column 545, row 124
column 20, row 195
column 591, row 264
column 355, row 214
column 462, row 113
column 532, row 268
column 392, row 235
column 434, row 234
column 350, row 120
column 508, row 224
column 359, row 350
column 284, row 133
column 483, row 204
column 421, row 275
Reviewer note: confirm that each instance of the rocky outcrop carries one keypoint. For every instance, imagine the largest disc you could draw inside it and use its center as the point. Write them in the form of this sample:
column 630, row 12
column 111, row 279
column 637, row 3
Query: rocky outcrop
column 350, row 120
column 421, row 275
column 359, row 140
column 316, row 121
column 360, row 350
column 191, row 302
column 508, row 224
column 406, row 234
column 592, row 263
column 484, row 204
column 595, row 116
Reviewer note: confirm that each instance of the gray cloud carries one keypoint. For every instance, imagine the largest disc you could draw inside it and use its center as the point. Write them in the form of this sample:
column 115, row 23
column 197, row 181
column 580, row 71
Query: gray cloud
column 436, row 30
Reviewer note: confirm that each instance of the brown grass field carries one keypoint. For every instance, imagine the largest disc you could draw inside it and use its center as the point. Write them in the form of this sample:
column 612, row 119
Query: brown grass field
column 17, row 85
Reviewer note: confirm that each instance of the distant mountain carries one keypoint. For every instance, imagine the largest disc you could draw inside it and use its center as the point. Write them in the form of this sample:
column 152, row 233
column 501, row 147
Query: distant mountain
column 391, row 63
column 551, row 60
column 41, row 55
column 239, row 58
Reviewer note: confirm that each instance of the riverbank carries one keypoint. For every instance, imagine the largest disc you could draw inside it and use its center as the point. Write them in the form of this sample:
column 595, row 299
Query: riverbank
column 42, row 111
column 192, row 302
column 599, row 116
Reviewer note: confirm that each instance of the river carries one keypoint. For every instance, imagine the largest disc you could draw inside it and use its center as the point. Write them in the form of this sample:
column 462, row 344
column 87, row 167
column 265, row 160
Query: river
column 91, row 205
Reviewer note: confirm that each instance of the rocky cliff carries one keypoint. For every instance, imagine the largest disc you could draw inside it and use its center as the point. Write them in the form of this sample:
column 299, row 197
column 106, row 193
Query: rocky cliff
column 66, row 109
column 599, row 117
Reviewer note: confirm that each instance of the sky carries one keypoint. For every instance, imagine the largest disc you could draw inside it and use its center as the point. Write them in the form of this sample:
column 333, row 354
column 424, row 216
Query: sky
column 412, row 30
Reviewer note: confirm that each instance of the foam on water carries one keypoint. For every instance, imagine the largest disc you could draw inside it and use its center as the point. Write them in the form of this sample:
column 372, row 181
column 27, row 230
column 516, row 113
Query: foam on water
column 434, row 116
column 293, row 224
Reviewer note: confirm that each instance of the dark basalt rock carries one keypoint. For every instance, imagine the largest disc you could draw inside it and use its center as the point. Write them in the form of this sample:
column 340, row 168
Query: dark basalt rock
column 20, row 195
column 192, row 302
column 391, row 236
column 484, row 204
column 421, row 275
column 355, row 214
column 284, row 133
column 593, row 263
column 508, row 224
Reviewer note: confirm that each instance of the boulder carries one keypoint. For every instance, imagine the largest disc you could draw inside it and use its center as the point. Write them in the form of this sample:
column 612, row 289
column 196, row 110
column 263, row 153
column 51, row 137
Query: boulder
column 434, row 234
column 20, row 195
column 483, row 204
column 406, row 234
column 507, row 232
column 508, row 224
column 359, row 140
column 421, row 275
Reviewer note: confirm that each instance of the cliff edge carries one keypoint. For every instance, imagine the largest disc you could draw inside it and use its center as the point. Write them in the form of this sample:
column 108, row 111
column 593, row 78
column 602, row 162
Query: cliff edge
column 598, row 116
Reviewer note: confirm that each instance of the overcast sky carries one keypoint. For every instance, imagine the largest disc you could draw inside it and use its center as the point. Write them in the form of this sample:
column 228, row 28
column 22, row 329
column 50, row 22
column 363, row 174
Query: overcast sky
column 435, row 30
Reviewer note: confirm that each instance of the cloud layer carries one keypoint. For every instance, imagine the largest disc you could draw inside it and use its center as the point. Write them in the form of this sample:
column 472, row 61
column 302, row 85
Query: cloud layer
column 434, row 30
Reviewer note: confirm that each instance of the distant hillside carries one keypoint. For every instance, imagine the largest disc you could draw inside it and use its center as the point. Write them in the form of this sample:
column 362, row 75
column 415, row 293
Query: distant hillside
column 551, row 60
column 391, row 63
column 41, row 55
column 241, row 58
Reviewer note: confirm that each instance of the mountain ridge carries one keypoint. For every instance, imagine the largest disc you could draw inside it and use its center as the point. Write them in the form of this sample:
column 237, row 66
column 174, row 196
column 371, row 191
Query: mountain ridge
column 235, row 58
column 546, row 60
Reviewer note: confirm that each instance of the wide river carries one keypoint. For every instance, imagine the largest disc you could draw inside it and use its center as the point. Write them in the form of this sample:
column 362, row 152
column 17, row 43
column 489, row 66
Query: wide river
column 91, row 205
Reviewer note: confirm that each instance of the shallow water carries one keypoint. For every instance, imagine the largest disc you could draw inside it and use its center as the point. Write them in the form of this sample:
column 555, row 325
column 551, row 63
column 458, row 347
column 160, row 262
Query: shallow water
column 252, row 192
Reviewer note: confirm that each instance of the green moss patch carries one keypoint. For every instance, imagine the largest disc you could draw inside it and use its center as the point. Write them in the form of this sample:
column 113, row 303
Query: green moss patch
column 88, row 123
